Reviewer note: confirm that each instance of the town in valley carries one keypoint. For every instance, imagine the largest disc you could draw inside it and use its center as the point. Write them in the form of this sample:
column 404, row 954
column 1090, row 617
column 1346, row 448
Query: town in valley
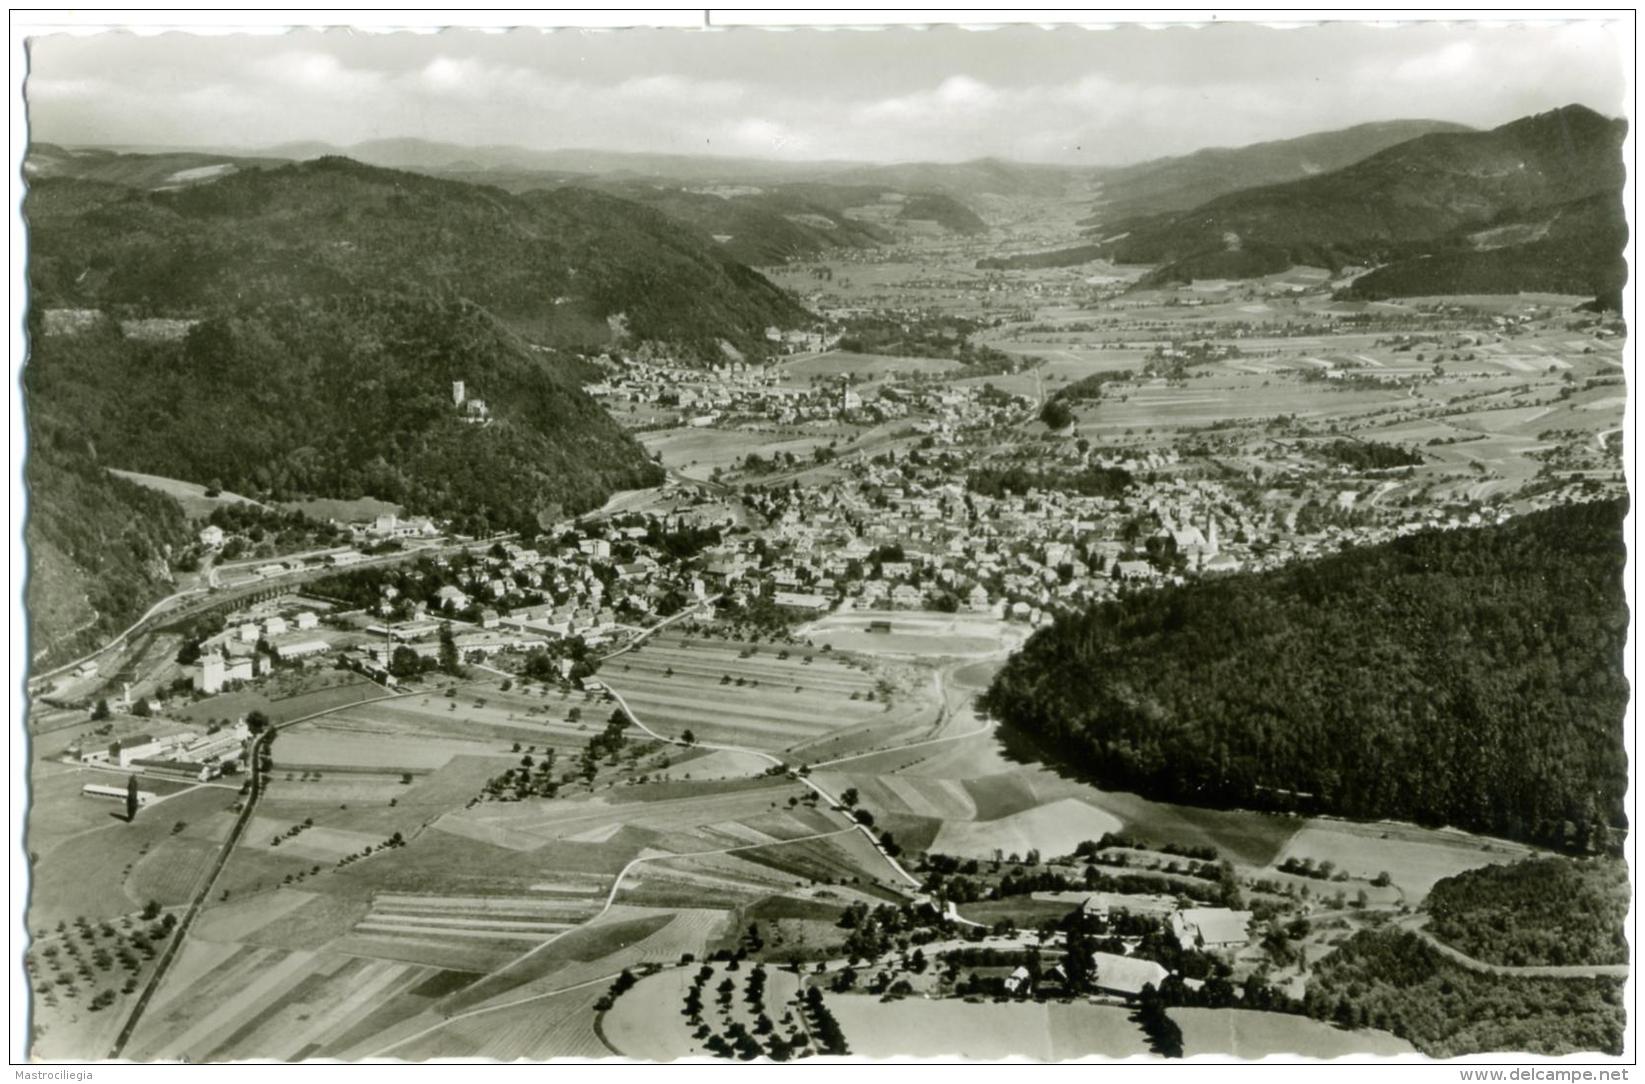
column 863, row 629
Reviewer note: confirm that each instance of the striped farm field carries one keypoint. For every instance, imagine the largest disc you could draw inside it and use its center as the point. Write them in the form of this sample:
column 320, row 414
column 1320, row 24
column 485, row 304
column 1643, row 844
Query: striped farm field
column 597, row 818
column 769, row 716
column 476, row 929
column 262, row 1003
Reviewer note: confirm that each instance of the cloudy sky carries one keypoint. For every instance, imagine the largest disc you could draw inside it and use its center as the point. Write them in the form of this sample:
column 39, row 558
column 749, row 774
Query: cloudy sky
column 1057, row 95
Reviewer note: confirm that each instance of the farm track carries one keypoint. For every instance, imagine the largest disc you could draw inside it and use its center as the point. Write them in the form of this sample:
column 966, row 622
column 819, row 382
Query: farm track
column 174, row 944
column 1418, row 923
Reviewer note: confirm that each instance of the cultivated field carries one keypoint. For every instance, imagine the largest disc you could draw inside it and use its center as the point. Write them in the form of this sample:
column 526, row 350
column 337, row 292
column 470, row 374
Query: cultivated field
column 677, row 683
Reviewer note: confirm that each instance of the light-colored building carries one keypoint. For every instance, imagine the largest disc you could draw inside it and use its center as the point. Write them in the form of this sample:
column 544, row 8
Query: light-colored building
column 211, row 536
column 212, row 673
column 104, row 790
column 1211, row 927
column 297, row 647
column 1125, row 975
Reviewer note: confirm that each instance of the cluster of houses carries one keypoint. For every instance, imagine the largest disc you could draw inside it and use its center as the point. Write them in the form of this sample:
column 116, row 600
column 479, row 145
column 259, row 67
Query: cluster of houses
column 1203, row 929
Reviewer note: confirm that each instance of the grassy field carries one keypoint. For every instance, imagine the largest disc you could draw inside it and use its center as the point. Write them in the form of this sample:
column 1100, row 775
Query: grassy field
column 114, row 855
column 953, row 1028
column 696, row 452
column 1414, row 857
column 1240, row 1033
column 192, row 496
column 359, row 510
column 646, row 1023
column 285, row 698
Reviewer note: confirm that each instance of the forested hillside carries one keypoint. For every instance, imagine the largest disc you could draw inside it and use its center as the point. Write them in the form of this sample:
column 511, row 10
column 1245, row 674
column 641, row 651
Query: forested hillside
column 344, row 396
column 1394, row 980
column 1469, row 677
column 1544, row 911
column 97, row 546
column 1532, row 205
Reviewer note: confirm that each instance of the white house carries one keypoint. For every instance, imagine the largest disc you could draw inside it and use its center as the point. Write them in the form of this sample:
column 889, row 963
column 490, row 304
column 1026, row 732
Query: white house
column 1125, row 975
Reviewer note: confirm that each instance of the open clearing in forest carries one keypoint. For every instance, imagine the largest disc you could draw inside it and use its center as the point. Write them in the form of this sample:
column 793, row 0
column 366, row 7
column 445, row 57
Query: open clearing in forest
column 1414, row 857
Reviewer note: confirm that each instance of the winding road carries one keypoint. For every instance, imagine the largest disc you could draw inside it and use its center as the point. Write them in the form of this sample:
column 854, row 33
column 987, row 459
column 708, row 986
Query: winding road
column 1418, row 923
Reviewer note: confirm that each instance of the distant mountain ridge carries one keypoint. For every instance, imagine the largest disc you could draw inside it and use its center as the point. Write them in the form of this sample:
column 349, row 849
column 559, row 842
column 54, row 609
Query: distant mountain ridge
column 1185, row 181
column 1554, row 179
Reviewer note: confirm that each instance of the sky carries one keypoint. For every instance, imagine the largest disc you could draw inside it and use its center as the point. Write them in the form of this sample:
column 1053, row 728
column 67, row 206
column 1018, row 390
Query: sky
column 1067, row 95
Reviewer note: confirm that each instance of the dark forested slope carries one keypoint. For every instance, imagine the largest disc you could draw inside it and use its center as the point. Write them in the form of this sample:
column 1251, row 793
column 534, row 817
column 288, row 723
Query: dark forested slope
column 342, row 397
column 98, row 547
column 1469, row 677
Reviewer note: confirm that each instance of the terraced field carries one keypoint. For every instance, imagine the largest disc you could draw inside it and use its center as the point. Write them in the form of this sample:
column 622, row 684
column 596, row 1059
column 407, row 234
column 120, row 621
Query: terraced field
column 676, row 685
column 481, row 931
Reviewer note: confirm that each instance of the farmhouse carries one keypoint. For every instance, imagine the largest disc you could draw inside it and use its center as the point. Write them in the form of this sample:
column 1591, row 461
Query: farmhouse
column 1019, row 981
column 1125, row 975
column 211, row 536
column 1210, row 927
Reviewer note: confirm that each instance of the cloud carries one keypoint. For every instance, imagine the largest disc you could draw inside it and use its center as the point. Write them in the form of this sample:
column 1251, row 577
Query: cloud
column 1076, row 96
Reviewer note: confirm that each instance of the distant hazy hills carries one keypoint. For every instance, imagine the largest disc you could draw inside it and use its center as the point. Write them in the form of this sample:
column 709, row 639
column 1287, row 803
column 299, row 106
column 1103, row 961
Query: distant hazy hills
column 1177, row 184
column 170, row 169
column 1532, row 205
